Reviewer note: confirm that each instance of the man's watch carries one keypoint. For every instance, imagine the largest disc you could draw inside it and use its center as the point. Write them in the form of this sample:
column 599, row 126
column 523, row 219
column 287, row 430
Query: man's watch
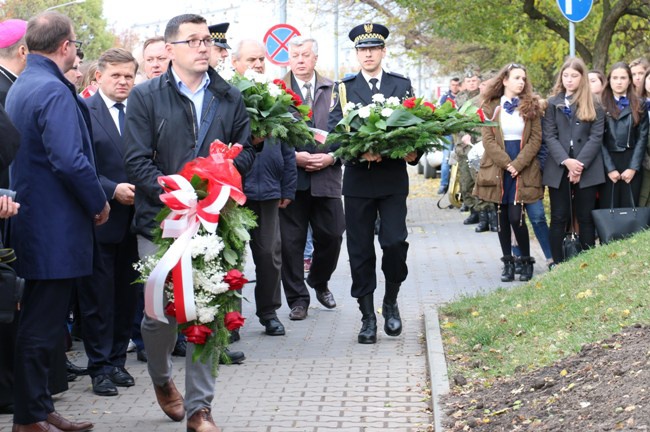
column 333, row 157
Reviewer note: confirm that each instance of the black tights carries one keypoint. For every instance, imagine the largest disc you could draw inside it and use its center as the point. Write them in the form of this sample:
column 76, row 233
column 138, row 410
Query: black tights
column 510, row 217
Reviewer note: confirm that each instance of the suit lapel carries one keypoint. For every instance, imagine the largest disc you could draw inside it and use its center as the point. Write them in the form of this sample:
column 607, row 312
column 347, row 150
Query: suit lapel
column 388, row 86
column 100, row 111
column 362, row 89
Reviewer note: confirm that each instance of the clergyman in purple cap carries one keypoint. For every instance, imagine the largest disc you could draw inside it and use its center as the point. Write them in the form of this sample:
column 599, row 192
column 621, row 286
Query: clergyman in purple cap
column 13, row 53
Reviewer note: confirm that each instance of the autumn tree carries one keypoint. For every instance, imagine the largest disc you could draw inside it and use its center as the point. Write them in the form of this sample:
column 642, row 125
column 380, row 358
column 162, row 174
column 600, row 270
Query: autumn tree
column 89, row 24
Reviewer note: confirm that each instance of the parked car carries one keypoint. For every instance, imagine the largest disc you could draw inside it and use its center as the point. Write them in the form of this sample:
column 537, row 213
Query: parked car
column 430, row 163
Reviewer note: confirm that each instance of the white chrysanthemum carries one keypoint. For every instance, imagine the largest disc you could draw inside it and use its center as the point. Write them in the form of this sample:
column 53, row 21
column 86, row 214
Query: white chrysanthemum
column 386, row 112
column 364, row 112
column 213, row 246
column 393, row 101
column 378, row 97
column 348, row 107
column 372, row 105
column 227, row 74
column 254, row 76
column 274, row 90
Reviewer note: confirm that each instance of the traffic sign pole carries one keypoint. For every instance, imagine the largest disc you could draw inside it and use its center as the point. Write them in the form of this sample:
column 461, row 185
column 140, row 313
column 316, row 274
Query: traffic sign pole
column 572, row 38
column 574, row 11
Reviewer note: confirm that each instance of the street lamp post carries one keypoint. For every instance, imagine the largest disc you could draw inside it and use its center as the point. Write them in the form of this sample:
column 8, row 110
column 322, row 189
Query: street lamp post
column 65, row 4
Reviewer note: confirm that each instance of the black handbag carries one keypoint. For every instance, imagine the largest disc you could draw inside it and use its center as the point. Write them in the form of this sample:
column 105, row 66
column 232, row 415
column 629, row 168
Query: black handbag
column 571, row 245
column 11, row 286
column 618, row 223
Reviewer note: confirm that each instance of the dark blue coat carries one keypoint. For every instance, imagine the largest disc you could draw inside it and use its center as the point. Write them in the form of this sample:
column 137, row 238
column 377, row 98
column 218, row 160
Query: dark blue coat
column 273, row 175
column 109, row 152
column 53, row 174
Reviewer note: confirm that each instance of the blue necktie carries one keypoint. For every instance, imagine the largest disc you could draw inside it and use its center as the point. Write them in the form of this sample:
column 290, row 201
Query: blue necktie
column 567, row 110
column 622, row 103
column 120, row 115
column 510, row 106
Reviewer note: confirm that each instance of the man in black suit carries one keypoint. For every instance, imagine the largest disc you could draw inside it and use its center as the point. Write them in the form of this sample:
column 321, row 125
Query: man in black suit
column 318, row 195
column 108, row 299
column 375, row 186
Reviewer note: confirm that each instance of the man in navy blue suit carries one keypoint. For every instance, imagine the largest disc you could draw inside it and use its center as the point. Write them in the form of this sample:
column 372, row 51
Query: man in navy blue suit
column 61, row 202
column 107, row 300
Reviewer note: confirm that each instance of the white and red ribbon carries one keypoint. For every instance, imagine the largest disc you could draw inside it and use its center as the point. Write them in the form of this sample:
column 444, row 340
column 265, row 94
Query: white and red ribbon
column 187, row 216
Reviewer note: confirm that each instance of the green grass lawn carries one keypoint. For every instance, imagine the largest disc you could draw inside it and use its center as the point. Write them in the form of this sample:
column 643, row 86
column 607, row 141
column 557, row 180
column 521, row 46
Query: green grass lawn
column 532, row 325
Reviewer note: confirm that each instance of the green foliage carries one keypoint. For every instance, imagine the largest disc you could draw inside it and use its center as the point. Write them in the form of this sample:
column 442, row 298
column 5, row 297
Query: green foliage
column 89, row 25
column 530, row 326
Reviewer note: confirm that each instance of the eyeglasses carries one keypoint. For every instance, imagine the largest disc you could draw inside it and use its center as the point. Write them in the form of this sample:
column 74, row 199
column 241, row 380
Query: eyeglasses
column 76, row 43
column 195, row 43
column 512, row 66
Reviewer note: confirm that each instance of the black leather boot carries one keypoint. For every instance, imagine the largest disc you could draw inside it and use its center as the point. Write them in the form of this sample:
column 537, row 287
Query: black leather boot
column 508, row 274
column 518, row 265
column 368, row 333
column 471, row 219
column 390, row 311
column 526, row 268
column 483, row 224
column 492, row 220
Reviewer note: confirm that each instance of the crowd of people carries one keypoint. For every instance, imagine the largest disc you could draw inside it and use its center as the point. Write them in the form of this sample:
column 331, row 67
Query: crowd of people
column 587, row 143
column 86, row 151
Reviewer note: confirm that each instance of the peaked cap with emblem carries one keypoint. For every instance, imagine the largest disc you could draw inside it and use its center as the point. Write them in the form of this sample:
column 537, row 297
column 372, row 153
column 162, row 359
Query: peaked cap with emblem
column 368, row 35
column 218, row 34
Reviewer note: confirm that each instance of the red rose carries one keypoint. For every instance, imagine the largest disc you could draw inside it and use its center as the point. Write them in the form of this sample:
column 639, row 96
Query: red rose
column 233, row 320
column 197, row 334
column 481, row 115
column 297, row 101
column 430, row 106
column 280, row 83
column 235, row 279
column 170, row 309
column 409, row 103
column 310, row 114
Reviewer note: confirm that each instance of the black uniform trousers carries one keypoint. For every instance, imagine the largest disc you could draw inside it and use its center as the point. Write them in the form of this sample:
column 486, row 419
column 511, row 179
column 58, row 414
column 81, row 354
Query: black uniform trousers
column 360, row 216
column 41, row 331
column 266, row 248
column 327, row 222
column 107, row 301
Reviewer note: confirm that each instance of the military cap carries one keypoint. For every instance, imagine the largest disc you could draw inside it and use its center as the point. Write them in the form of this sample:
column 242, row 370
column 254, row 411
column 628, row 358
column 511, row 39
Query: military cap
column 11, row 31
column 369, row 35
column 218, row 33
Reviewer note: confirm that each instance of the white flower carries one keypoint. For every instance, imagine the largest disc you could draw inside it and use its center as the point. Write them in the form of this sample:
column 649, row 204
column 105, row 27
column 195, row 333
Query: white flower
column 378, row 97
column 364, row 112
column 372, row 105
column 386, row 112
column 227, row 74
column 274, row 90
column 254, row 76
column 393, row 101
column 348, row 107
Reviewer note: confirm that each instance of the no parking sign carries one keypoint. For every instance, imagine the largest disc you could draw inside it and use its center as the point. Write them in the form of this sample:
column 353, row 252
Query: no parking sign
column 276, row 42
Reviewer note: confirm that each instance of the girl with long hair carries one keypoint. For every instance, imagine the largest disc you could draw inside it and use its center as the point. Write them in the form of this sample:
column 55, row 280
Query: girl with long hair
column 625, row 138
column 573, row 131
column 509, row 174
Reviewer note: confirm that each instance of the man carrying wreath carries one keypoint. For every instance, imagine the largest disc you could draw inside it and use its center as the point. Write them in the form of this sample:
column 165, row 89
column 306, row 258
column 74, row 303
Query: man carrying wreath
column 171, row 120
column 376, row 186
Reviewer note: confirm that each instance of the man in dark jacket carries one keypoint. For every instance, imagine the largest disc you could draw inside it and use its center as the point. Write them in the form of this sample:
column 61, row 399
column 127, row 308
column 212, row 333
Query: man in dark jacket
column 171, row 120
column 270, row 186
column 62, row 200
column 318, row 199
column 376, row 186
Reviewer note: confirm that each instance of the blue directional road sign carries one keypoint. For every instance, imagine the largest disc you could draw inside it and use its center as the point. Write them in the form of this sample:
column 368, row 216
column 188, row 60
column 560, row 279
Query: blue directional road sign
column 575, row 10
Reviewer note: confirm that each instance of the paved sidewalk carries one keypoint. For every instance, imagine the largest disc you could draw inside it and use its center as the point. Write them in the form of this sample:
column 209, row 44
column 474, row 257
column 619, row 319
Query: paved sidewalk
column 317, row 377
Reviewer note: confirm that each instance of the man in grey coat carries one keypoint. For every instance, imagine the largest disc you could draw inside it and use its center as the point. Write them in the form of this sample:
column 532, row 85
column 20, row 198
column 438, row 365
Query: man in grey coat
column 318, row 197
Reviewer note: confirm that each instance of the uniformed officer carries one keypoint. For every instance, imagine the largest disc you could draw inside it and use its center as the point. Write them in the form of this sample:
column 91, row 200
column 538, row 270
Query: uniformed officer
column 220, row 47
column 375, row 186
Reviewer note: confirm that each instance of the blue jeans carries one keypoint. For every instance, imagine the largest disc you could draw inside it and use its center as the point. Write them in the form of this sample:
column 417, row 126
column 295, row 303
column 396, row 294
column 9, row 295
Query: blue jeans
column 540, row 228
column 309, row 245
column 445, row 169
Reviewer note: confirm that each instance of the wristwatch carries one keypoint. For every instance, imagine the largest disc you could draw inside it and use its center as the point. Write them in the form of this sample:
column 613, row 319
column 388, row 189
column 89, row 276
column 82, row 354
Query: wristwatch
column 333, row 157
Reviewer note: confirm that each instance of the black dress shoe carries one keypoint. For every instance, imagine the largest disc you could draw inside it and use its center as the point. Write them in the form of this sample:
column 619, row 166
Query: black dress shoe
column 273, row 327
column 121, row 377
column 180, row 350
column 71, row 377
column 392, row 320
column 298, row 313
column 7, row 409
column 103, row 386
column 73, row 368
column 235, row 357
column 326, row 298
column 142, row 356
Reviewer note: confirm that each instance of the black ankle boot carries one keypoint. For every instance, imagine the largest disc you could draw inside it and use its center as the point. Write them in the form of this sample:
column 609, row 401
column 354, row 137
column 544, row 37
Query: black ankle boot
column 390, row 311
column 508, row 274
column 483, row 224
column 492, row 220
column 526, row 268
column 518, row 265
column 471, row 219
column 368, row 333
